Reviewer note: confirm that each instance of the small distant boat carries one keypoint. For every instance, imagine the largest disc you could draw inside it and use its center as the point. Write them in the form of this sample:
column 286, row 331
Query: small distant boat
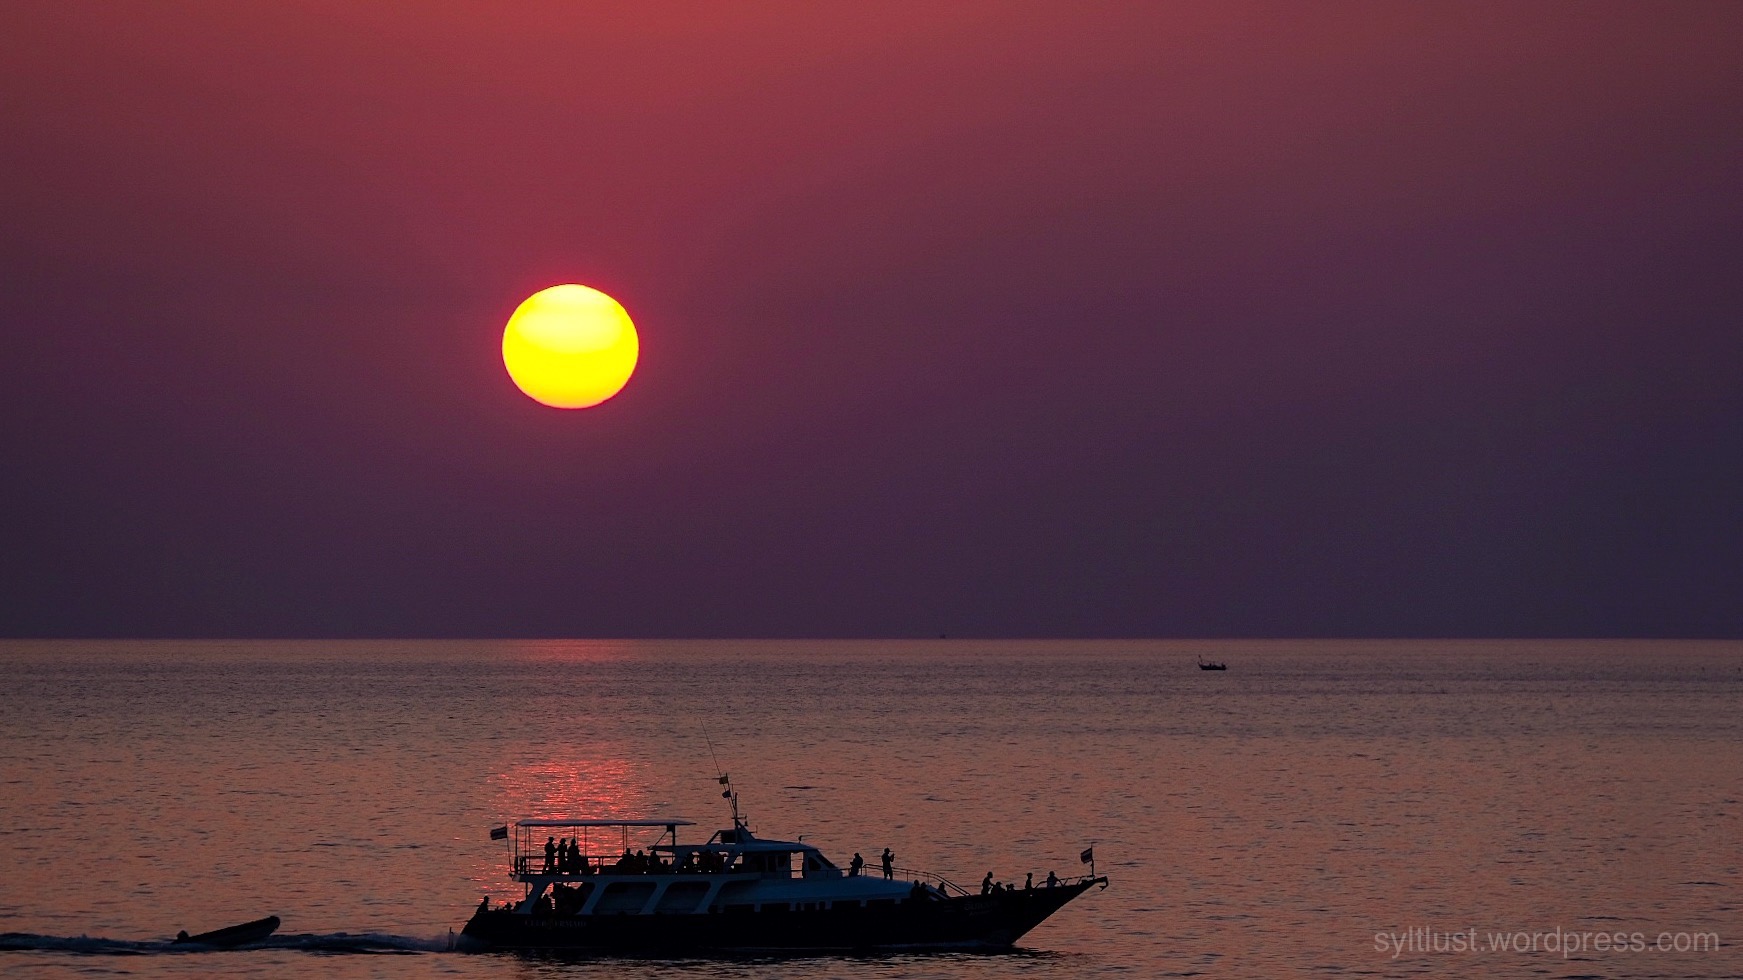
column 1204, row 664
column 237, row 935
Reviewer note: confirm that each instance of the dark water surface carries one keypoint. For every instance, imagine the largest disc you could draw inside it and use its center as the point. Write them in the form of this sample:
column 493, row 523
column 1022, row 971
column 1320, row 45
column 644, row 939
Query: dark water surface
column 1322, row 808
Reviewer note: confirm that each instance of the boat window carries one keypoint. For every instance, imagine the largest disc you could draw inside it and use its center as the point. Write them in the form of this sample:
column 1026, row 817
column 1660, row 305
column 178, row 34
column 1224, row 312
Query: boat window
column 776, row 862
column 624, row 896
column 682, row 896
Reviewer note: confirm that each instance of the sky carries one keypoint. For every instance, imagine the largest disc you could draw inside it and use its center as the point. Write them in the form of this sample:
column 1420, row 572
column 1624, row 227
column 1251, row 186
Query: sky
column 979, row 319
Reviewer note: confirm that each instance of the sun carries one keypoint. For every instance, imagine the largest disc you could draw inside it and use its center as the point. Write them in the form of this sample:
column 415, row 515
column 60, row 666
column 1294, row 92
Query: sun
column 570, row 346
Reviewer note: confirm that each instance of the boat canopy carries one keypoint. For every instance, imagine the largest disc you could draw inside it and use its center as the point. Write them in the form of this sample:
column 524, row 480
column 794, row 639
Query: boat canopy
column 605, row 823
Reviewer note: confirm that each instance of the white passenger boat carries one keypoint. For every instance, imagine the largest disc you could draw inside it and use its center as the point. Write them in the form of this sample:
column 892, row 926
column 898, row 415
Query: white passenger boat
column 589, row 885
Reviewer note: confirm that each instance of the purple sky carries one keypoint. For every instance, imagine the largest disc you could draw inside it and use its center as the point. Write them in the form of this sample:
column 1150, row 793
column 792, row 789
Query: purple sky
column 982, row 319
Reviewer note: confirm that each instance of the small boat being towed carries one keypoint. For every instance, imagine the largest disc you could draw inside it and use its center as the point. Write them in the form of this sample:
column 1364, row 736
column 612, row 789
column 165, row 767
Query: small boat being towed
column 237, row 935
column 735, row 893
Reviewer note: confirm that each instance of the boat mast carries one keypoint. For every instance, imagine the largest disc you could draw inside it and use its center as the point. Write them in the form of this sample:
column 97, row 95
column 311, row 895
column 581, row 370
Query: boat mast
column 728, row 795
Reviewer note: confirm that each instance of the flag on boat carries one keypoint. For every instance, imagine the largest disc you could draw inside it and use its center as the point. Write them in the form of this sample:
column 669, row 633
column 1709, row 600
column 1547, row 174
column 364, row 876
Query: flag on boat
column 1087, row 856
column 725, row 779
column 499, row 833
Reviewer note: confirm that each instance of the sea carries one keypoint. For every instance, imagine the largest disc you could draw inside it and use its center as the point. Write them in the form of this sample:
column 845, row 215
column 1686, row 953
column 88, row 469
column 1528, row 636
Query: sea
column 1325, row 808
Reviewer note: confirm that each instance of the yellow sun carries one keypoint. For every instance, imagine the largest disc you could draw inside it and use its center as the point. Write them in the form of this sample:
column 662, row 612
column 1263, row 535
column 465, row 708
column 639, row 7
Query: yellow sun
column 570, row 347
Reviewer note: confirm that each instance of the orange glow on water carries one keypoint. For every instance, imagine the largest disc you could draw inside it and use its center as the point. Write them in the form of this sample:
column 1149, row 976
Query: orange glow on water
column 576, row 783
column 571, row 786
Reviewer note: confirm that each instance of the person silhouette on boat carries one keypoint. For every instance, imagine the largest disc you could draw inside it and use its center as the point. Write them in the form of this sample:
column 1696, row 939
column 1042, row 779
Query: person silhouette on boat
column 1052, row 880
column 550, row 852
column 1029, row 882
column 889, row 864
column 986, row 884
column 854, row 866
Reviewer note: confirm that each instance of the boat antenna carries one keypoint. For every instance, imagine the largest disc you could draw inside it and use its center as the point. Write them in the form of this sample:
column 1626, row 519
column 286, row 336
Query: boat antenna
column 723, row 778
column 711, row 757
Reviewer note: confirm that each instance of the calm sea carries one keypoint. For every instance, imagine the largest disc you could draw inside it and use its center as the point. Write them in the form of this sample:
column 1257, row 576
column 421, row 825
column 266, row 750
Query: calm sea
column 1321, row 808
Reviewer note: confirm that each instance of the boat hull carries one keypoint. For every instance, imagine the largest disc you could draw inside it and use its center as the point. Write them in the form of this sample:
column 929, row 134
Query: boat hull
column 981, row 922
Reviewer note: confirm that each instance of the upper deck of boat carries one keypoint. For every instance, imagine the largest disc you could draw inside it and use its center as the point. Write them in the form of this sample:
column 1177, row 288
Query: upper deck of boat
column 584, row 847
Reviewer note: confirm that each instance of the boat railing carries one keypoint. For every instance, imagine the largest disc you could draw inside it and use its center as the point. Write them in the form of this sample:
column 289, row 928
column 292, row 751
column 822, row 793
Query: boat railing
column 588, row 864
column 938, row 881
column 593, row 865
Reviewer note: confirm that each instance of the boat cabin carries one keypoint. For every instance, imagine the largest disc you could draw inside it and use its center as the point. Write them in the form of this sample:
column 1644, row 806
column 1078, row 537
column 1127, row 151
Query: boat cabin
column 592, row 867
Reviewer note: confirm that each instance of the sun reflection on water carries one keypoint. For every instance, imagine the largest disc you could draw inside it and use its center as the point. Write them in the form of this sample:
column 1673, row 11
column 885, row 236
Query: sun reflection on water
column 578, row 784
